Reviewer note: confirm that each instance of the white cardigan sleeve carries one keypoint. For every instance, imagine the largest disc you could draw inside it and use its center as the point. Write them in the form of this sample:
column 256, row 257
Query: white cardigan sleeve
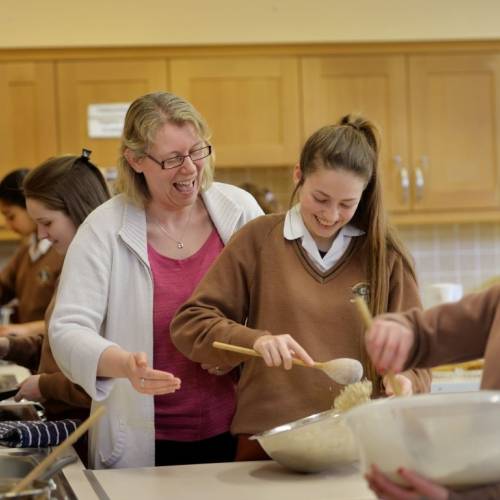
column 80, row 310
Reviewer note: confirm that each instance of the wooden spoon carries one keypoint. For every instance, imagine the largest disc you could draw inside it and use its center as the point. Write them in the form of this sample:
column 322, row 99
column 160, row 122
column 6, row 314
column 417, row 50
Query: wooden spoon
column 49, row 459
column 366, row 316
column 341, row 370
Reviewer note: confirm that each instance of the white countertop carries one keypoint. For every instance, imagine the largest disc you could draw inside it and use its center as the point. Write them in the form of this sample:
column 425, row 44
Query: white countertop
column 456, row 381
column 227, row 481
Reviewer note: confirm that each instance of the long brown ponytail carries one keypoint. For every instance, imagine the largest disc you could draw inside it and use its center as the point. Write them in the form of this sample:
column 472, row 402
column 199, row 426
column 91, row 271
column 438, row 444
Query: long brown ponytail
column 353, row 145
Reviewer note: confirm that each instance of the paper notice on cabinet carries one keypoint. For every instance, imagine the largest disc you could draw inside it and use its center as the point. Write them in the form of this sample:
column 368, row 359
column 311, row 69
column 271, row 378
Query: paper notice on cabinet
column 106, row 121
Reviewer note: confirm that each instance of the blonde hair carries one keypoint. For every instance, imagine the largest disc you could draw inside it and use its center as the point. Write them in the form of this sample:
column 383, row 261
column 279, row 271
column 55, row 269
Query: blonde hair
column 353, row 145
column 145, row 116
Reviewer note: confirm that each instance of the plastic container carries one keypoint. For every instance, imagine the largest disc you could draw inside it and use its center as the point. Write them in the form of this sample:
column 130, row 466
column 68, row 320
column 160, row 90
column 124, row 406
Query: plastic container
column 453, row 439
column 312, row 444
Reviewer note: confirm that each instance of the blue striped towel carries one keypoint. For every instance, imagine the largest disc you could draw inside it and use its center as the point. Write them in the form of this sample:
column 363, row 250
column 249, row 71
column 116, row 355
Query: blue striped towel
column 35, row 434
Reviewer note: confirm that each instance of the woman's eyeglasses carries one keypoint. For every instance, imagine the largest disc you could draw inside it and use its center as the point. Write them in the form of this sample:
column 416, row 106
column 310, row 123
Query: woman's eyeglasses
column 177, row 161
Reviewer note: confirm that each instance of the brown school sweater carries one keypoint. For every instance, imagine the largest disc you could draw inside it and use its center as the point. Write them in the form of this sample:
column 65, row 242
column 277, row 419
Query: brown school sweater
column 32, row 283
column 456, row 332
column 63, row 398
column 263, row 283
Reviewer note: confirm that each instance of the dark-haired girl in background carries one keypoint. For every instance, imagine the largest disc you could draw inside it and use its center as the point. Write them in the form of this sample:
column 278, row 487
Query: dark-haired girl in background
column 32, row 272
column 60, row 193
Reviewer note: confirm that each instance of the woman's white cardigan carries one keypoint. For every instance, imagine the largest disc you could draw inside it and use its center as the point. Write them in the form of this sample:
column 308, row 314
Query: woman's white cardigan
column 105, row 298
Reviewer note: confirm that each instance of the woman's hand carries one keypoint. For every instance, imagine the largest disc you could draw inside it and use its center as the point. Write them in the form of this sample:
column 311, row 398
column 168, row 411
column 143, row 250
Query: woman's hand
column 388, row 343
column 147, row 380
column 278, row 349
column 30, row 389
column 405, row 385
column 419, row 487
column 217, row 369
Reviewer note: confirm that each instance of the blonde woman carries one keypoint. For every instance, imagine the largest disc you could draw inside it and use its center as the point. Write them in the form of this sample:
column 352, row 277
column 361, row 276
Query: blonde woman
column 132, row 264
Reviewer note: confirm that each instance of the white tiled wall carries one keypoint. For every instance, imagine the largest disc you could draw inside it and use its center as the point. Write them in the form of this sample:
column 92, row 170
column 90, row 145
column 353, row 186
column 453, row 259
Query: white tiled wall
column 468, row 254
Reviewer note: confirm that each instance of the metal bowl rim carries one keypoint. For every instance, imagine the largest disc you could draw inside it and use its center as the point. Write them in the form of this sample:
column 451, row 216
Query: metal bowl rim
column 429, row 400
column 297, row 424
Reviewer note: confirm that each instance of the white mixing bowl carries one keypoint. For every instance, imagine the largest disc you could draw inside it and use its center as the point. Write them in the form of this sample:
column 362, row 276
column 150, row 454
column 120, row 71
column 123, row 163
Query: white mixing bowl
column 453, row 439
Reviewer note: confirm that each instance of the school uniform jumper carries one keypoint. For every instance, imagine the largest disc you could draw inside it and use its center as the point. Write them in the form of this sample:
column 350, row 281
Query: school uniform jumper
column 264, row 283
column 31, row 276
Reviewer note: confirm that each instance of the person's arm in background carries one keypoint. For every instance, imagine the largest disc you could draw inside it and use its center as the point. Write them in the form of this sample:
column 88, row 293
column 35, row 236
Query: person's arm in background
column 22, row 350
column 448, row 333
column 403, row 295
column 50, row 383
column 29, row 328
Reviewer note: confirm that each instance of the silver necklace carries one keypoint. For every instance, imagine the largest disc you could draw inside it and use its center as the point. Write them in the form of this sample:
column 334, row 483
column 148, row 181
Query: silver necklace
column 179, row 242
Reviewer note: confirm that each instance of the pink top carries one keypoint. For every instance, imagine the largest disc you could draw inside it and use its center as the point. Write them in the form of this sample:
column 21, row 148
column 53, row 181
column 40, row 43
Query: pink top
column 205, row 404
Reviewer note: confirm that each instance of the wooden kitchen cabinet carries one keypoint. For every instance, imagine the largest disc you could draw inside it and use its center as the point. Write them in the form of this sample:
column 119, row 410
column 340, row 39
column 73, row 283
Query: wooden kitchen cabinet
column 250, row 103
column 439, row 117
column 455, row 131
column 81, row 83
column 437, row 106
column 374, row 86
column 28, row 120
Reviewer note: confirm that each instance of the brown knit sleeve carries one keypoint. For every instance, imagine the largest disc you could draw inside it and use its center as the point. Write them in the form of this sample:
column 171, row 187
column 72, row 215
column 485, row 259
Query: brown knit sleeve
column 459, row 331
column 403, row 295
column 56, row 386
column 25, row 350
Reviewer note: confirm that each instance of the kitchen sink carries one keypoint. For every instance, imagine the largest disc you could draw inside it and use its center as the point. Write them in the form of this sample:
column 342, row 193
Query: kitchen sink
column 17, row 463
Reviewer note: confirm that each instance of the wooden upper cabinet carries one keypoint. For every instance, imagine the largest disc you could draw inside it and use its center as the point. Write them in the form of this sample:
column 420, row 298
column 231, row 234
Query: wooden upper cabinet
column 81, row 83
column 251, row 105
column 375, row 87
column 27, row 120
column 455, row 124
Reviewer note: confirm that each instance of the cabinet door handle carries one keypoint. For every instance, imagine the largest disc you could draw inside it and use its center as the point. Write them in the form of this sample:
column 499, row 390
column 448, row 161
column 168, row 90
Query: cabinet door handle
column 419, row 177
column 404, row 178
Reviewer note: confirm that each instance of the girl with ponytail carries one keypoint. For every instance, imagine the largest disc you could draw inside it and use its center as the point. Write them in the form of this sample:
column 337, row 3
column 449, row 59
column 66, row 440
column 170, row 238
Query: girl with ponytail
column 285, row 283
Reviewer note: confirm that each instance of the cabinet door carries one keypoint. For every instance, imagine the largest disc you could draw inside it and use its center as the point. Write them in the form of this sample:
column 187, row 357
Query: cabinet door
column 101, row 82
column 455, row 124
column 374, row 87
column 251, row 105
column 28, row 132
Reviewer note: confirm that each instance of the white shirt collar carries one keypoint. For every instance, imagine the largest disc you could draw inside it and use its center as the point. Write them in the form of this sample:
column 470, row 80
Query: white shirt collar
column 38, row 248
column 295, row 228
